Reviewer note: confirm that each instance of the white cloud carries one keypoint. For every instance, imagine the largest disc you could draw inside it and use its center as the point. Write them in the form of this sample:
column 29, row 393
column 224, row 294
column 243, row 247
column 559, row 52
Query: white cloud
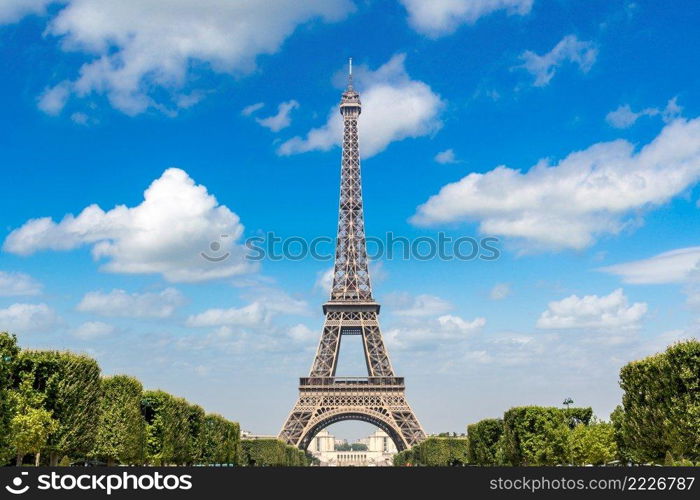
column 672, row 110
column 53, row 100
column 441, row 17
column 168, row 233
column 27, row 318
column 447, row 156
column 253, row 314
column 119, row 303
column 434, row 333
column 249, row 110
column 14, row 10
column 675, row 266
column 93, row 329
column 624, row 117
column 282, row 119
column 15, row 284
column 593, row 312
column 394, row 108
column 403, row 304
column 80, row 118
column 302, row 333
column 451, row 323
column 569, row 49
column 260, row 312
column 500, row 291
column 587, row 194
column 324, row 280
column 136, row 49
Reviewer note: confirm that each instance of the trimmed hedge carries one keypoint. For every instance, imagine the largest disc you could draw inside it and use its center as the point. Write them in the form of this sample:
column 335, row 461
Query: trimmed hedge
column 534, row 435
column 221, row 443
column 271, row 453
column 71, row 386
column 435, row 452
column 659, row 418
column 121, row 430
column 484, row 438
column 8, row 356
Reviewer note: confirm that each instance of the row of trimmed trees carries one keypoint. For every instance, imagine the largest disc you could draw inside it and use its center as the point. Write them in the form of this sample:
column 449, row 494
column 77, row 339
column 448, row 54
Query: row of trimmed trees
column 273, row 453
column 55, row 407
column 658, row 422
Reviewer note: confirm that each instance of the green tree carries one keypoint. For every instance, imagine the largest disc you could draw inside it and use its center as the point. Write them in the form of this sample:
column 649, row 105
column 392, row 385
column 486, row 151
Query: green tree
column 535, row 435
column 71, row 386
column 220, row 441
column 272, row 453
column 174, row 429
column 195, row 424
column 592, row 444
column 435, row 452
column 661, row 405
column 484, row 438
column 8, row 356
column 157, row 408
column 121, row 432
column 31, row 424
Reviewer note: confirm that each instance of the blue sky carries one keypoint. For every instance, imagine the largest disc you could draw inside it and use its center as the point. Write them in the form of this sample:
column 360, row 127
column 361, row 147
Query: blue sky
column 567, row 129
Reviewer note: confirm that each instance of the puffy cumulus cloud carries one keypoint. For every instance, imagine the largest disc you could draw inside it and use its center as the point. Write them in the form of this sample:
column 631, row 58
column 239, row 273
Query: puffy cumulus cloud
column 394, row 108
column 93, row 330
column 15, row 284
column 569, row 49
column 170, row 232
column 14, row 10
column 442, row 17
column 587, row 194
column 675, row 266
column 403, row 304
column 27, row 318
column 280, row 120
column 434, row 333
column 624, row 117
column 500, row 291
column 119, row 303
column 594, row 312
column 137, row 49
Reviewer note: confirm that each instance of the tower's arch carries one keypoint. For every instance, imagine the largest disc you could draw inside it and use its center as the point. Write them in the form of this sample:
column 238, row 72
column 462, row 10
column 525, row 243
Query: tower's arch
column 370, row 416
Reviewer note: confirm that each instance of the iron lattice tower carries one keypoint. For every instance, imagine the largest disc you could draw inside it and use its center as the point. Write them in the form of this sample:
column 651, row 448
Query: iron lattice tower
column 379, row 398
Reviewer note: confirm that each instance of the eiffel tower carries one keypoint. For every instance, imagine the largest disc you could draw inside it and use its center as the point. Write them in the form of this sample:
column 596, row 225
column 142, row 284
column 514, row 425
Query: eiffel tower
column 379, row 398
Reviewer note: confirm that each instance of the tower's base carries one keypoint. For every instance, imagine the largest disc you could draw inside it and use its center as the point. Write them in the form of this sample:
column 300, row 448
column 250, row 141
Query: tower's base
column 326, row 400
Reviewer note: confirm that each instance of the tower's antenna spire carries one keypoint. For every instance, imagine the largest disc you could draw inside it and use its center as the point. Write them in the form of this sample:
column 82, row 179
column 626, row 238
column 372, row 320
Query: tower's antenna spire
column 350, row 73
